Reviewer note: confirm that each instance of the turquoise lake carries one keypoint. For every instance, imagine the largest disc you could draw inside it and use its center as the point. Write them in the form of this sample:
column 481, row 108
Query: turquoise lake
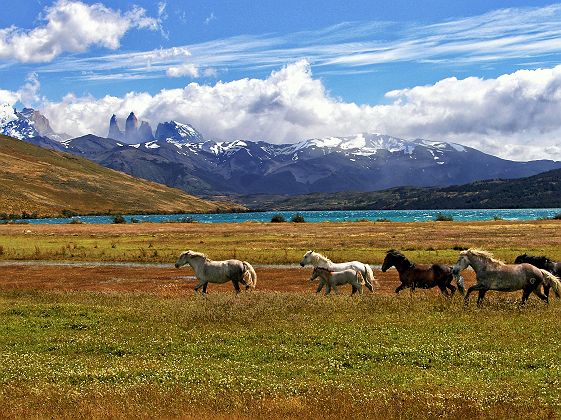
column 328, row 216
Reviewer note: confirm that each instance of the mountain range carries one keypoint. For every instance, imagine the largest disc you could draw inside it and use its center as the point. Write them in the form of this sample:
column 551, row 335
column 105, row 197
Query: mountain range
column 178, row 156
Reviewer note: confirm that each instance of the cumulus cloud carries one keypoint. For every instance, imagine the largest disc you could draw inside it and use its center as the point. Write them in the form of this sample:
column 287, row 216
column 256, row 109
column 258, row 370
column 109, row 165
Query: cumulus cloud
column 72, row 26
column 27, row 94
column 186, row 69
column 516, row 115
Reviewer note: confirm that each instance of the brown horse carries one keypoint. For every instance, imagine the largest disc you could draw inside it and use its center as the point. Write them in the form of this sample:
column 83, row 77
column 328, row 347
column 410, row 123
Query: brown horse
column 414, row 275
column 543, row 263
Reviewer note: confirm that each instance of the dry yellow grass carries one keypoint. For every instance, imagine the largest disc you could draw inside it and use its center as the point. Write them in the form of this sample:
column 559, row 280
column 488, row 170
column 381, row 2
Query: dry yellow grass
column 33, row 179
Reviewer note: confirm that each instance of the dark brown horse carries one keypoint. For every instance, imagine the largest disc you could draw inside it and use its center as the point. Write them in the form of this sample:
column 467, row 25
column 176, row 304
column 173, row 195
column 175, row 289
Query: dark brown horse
column 424, row 276
column 541, row 262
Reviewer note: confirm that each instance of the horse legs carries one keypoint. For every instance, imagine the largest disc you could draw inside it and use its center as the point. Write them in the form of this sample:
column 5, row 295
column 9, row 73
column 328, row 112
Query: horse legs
column 204, row 288
column 335, row 290
column 201, row 284
column 532, row 288
column 471, row 289
column 400, row 287
column 452, row 289
column 320, row 285
column 443, row 290
column 327, row 288
column 236, row 285
column 481, row 296
column 542, row 296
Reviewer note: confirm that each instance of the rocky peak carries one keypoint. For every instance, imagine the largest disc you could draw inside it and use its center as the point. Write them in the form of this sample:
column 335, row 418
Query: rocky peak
column 115, row 132
column 131, row 128
column 38, row 120
column 145, row 132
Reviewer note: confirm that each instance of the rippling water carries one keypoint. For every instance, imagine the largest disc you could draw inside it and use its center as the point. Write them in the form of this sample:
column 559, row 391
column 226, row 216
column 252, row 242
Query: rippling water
column 328, row 216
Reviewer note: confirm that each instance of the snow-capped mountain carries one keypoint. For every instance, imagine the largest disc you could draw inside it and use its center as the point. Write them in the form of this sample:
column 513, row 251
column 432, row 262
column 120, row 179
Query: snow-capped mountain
column 178, row 156
column 26, row 124
column 182, row 133
column 364, row 162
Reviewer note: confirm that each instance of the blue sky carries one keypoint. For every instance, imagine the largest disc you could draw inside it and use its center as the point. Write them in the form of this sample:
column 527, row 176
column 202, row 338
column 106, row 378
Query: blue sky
column 349, row 57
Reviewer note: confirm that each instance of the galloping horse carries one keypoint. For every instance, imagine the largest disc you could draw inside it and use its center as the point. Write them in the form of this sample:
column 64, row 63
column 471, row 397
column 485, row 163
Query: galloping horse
column 336, row 278
column 208, row 271
column 493, row 274
column 424, row 276
column 318, row 260
column 541, row 262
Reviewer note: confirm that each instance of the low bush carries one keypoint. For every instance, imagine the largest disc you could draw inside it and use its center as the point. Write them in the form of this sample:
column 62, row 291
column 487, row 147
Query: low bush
column 119, row 219
column 278, row 218
column 297, row 218
column 441, row 217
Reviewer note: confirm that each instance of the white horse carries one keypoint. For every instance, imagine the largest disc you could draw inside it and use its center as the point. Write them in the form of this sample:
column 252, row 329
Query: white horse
column 336, row 278
column 208, row 271
column 493, row 274
column 318, row 260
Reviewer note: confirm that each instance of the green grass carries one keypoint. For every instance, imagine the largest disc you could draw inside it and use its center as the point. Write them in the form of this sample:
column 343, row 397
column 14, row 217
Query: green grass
column 279, row 243
column 276, row 355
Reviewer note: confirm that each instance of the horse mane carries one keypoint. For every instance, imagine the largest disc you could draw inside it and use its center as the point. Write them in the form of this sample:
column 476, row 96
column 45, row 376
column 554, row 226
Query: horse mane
column 316, row 258
column 398, row 254
column 483, row 254
column 198, row 254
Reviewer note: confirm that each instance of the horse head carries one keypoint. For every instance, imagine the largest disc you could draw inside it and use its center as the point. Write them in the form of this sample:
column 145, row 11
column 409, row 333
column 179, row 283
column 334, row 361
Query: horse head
column 183, row 259
column 462, row 263
column 320, row 272
column 394, row 257
column 307, row 258
column 521, row 258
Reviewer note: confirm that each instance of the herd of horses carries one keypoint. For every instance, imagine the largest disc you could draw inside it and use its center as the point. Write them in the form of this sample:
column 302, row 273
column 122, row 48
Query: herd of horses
column 528, row 273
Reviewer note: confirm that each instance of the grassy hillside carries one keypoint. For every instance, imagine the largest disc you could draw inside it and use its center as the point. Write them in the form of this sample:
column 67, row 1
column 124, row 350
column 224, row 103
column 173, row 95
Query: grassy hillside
column 542, row 190
column 37, row 180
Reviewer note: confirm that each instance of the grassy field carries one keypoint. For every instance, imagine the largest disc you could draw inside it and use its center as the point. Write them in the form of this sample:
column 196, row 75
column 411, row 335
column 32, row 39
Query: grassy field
column 275, row 355
column 102, row 351
column 273, row 243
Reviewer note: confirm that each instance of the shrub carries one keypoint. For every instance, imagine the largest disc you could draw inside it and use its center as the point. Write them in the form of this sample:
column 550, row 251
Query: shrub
column 297, row 218
column 278, row 218
column 119, row 219
column 75, row 222
column 497, row 218
column 440, row 217
column 133, row 220
column 68, row 213
column 557, row 216
column 459, row 248
column 383, row 219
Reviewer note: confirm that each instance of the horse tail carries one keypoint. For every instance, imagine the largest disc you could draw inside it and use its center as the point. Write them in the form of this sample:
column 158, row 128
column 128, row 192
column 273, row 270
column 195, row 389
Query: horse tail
column 369, row 277
column 249, row 274
column 552, row 281
column 359, row 277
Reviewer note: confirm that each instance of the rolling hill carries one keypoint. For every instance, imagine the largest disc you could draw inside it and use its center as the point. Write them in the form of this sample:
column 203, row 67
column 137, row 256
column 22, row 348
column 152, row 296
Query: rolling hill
column 47, row 182
column 542, row 190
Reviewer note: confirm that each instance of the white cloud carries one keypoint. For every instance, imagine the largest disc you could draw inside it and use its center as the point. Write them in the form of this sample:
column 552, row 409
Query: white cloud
column 186, row 69
column 27, row 94
column 528, row 34
column 72, row 26
column 516, row 115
